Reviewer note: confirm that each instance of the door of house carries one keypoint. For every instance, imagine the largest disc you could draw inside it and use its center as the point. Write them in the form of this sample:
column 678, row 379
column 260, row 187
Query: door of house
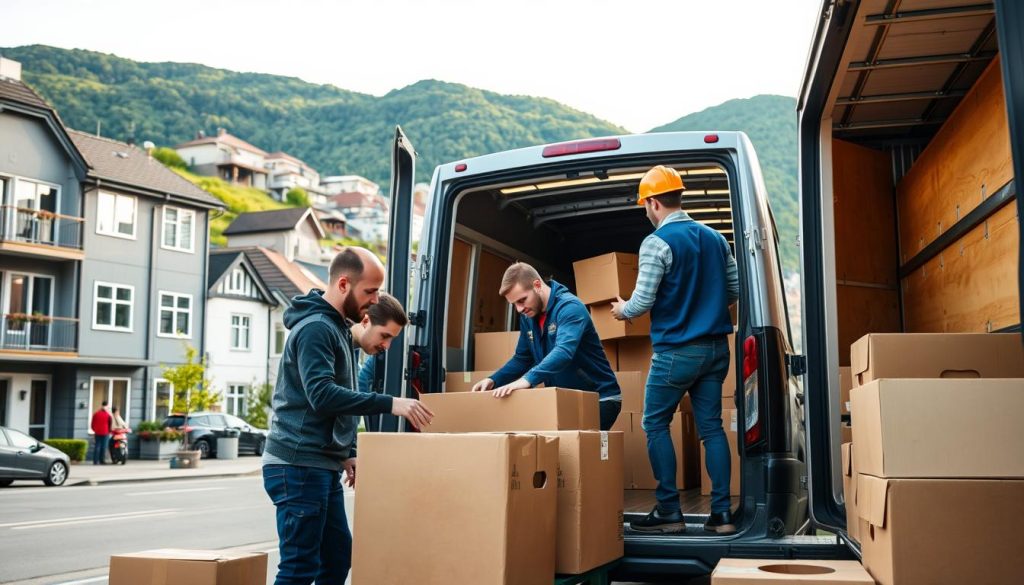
column 4, row 385
column 39, row 400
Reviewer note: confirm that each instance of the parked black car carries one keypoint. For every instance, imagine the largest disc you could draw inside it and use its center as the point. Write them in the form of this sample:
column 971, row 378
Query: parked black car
column 22, row 457
column 204, row 428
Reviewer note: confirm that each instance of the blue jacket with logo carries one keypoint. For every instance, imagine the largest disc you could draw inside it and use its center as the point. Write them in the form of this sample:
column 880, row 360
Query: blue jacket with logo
column 567, row 353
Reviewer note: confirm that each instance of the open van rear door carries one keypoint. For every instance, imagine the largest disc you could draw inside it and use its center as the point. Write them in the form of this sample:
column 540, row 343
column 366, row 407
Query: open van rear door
column 403, row 168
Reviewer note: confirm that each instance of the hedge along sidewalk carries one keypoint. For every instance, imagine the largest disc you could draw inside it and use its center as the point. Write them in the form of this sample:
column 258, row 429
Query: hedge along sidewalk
column 138, row 470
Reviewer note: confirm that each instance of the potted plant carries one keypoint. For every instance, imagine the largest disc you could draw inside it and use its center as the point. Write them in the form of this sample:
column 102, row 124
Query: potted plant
column 191, row 392
column 157, row 442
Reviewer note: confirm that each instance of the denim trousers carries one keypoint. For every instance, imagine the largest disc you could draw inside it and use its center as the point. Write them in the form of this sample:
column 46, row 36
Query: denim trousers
column 99, row 451
column 312, row 530
column 699, row 368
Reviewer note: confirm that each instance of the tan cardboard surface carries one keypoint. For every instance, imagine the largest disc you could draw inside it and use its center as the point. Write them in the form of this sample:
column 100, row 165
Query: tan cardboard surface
column 493, row 350
column 609, row 327
column 850, row 492
column 590, row 499
column 730, row 424
column 195, row 567
column 755, row 571
column 483, row 509
column 635, row 354
column 463, row 381
column 936, row 355
column 535, row 409
column 939, row 428
column 611, row 351
column 941, row 532
column 632, row 385
column 845, row 385
column 604, row 277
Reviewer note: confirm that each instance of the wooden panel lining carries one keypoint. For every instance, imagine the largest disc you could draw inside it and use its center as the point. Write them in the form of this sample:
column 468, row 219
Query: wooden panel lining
column 490, row 310
column 458, row 291
column 863, row 310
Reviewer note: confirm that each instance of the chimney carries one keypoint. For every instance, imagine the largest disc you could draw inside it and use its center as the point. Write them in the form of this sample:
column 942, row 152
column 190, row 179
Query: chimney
column 10, row 69
column 131, row 134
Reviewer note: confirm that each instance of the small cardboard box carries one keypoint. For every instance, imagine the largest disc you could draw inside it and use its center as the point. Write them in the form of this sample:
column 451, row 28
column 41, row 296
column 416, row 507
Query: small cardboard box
column 535, row 409
column 493, row 350
column 731, row 424
column 845, row 385
column 850, row 492
column 635, row 354
column 484, row 509
column 939, row 428
column 936, row 355
column 757, row 571
column 684, row 439
column 463, row 381
column 611, row 351
column 590, row 499
column 609, row 327
column 941, row 532
column 195, row 567
column 604, row 277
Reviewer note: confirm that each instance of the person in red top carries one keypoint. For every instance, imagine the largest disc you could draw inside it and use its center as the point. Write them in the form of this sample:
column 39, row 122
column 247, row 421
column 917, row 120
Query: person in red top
column 101, row 423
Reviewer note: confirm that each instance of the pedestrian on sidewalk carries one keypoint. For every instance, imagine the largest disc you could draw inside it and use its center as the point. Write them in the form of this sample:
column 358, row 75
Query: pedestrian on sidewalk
column 102, row 422
column 316, row 404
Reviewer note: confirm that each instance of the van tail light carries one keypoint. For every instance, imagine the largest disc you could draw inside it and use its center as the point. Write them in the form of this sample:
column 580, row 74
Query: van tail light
column 752, row 427
column 710, row 138
column 581, row 147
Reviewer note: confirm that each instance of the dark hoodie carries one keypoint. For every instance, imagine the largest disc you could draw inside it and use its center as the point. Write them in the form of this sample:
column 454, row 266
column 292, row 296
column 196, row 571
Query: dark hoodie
column 316, row 402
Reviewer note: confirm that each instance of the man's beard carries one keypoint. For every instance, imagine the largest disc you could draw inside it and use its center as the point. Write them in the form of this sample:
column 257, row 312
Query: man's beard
column 350, row 308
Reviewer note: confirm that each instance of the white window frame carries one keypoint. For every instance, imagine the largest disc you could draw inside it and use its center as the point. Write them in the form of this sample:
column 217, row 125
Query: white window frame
column 160, row 308
column 110, row 397
column 238, row 398
column 248, row 336
column 113, row 313
column 135, row 215
column 152, row 406
column 231, row 287
column 273, row 339
column 191, row 213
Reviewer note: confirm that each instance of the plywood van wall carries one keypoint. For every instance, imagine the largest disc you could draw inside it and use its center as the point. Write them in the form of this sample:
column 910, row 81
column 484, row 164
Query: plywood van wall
column 491, row 310
column 458, row 291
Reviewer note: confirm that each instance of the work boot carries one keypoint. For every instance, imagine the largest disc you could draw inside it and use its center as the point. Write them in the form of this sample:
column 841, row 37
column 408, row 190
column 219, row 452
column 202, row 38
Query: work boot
column 720, row 523
column 659, row 522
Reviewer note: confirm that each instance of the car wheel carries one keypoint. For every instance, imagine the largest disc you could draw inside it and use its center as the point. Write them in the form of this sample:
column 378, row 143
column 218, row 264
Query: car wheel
column 6, row 482
column 259, row 447
column 203, row 447
column 57, row 474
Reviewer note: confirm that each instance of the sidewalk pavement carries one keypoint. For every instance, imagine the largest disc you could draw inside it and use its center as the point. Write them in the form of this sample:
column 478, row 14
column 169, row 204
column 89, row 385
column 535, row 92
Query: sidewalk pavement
column 139, row 470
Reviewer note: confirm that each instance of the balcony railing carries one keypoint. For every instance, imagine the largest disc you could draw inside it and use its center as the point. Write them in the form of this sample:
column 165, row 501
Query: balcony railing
column 40, row 227
column 23, row 332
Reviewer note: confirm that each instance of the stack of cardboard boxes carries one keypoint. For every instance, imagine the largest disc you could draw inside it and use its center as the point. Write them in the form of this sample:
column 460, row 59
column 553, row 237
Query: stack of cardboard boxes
column 934, row 476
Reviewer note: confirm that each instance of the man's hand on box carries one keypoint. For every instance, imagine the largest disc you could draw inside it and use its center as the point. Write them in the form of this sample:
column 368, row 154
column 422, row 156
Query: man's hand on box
column 483, row 385
column 617, row 307
column 413, row 411
column 507, row 389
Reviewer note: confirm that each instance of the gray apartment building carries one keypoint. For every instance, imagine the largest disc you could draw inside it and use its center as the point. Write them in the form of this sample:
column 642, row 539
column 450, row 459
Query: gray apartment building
column 103, row 255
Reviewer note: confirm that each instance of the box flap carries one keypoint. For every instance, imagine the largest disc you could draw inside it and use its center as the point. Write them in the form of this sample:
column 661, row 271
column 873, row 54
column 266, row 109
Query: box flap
column 872, row 493
column 191, row 555
column 859, row 352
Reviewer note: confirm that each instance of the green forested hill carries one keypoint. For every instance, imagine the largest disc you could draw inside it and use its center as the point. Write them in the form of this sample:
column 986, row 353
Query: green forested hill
column 770, row 122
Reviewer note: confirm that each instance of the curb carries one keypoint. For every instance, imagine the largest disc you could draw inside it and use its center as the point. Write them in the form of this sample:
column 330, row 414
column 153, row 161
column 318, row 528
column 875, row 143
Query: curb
column 95, row 482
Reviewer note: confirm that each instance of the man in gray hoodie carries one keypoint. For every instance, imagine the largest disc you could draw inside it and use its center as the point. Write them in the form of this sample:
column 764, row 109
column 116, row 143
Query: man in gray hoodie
column 316, row 407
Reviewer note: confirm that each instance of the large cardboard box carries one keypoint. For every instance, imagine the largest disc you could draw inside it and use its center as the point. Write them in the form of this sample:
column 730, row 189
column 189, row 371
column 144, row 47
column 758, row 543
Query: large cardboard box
column 730, row 424
column 684, row 439
column 611, row 351
column 941, row 532
column 590, row 499
column 535, row 409
column 464, row 381
column 936, row 355
column 850, row 492
column 195, row 567
column 939, row 428
column 493, row 350
column 602, row 278
column 609, row 327
column 435, row 509
column 635, row 354
column 845, row 385
column 757, row 571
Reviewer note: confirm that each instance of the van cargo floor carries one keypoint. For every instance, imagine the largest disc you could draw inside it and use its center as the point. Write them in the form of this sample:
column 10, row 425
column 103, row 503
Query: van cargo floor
column 642, row 501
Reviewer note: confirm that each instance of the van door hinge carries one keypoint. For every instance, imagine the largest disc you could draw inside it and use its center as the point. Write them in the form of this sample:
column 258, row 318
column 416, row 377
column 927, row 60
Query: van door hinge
column 418, row 318
column 797, row 364
column 756, row 239
column 424, row 267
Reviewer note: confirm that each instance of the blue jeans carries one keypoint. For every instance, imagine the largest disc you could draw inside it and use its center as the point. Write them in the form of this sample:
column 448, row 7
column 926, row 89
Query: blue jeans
column 699, row 368
column 312, row 529
column 99, row 452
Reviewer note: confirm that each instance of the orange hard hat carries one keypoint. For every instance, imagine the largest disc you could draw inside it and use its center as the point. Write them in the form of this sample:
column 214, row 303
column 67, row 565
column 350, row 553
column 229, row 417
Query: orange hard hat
column 658, row 181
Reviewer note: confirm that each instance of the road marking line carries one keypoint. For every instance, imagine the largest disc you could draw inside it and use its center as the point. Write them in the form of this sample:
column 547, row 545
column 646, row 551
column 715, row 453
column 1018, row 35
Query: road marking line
column 208, row 489
column 82, row 581
column 87, row 518
column 93, row 520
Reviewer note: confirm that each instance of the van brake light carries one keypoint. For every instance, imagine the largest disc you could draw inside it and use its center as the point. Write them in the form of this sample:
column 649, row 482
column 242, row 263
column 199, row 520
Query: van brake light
column 581, row 147
column 749, row 356
column 710, row 138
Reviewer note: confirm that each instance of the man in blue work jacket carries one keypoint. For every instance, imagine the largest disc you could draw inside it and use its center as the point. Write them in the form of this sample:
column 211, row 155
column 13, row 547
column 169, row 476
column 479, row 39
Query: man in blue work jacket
column 558, row 345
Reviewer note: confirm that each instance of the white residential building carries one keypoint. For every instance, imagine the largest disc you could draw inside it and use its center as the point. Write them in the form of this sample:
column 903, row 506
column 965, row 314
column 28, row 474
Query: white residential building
column 337, row 185
column 228, row 157
column 294, row 232
column 288, row 172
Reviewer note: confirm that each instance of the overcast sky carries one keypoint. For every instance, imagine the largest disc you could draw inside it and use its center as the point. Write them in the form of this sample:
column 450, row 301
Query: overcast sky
column 636, row 63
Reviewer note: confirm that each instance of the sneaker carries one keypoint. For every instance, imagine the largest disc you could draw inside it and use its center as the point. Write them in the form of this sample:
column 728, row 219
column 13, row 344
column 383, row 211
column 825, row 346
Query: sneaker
column 720, row 523
column 660, row 522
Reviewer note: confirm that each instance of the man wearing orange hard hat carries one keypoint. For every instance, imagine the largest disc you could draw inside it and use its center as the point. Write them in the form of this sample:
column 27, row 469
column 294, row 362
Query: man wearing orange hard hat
column 687, row 280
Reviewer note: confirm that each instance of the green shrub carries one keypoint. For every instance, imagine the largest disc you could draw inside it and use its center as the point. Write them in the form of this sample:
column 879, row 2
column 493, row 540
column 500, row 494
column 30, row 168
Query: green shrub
column 297, row 197
column 75, row 448
column 169, row 157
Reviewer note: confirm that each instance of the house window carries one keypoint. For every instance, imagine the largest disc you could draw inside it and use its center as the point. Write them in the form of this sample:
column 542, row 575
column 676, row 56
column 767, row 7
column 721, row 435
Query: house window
column 116, row 391
column 240, row 325
column 236, row 399
column 115, row 215
column 163, row 394
column 280, row 336
column 175, row 315
column 112, row 306
column 236, row 281
column 179, row 227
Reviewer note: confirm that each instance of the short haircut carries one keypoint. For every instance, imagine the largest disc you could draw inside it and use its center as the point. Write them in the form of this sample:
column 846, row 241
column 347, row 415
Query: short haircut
column 519, row 273
column 672, row 199
column 105, row 403
column 346, row 263
column 114, row 409
column 386, row 310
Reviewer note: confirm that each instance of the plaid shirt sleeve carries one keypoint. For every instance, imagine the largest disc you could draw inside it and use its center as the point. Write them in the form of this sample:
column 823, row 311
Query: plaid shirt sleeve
column 655, row 260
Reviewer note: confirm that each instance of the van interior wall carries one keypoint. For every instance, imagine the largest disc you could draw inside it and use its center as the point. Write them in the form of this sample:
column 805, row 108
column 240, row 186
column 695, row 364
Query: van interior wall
column 972, row 284
column 867, row 297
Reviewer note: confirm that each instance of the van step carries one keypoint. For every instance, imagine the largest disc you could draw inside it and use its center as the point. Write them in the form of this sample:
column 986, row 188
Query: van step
column 598, row 576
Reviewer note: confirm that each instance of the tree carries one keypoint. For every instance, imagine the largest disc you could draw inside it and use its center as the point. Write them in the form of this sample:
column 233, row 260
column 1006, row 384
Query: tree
column 169, row 157
column 258, row 404
column 297, row 197
column 191, row 386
